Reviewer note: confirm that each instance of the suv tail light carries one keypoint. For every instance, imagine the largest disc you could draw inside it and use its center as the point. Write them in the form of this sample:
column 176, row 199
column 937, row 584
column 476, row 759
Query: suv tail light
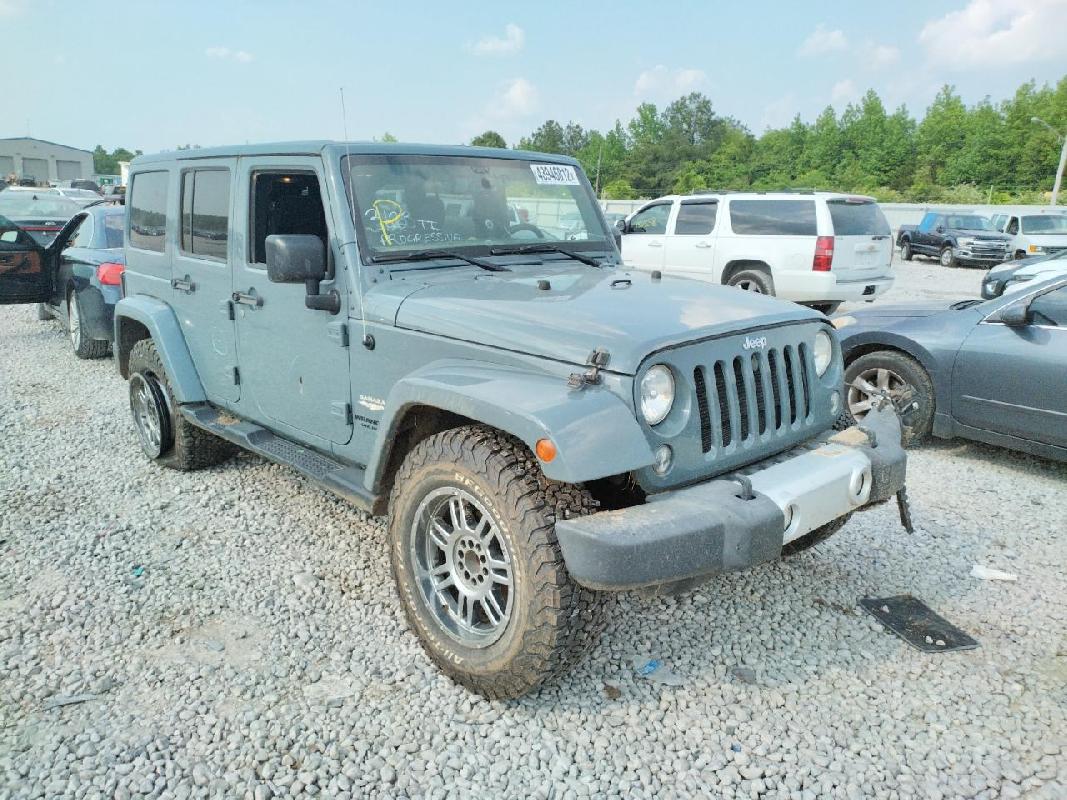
column 824, row 254
column 109, row 273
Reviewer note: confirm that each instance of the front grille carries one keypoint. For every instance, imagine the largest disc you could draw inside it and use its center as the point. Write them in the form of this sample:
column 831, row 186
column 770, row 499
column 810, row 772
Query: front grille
column 754, row 396
column 989, row 247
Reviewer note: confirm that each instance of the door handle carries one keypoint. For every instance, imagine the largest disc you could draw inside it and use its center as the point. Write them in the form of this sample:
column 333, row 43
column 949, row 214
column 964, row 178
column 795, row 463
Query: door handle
column 702, row 245
column 655, row 244
column 183, row 285
column 249, row 298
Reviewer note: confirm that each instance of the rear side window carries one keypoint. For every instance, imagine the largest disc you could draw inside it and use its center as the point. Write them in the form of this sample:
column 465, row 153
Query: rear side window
column 205, row 212
column 773, row 217
column 857, row 218
column 114, row 225
column 695, row 219
column 148, row 210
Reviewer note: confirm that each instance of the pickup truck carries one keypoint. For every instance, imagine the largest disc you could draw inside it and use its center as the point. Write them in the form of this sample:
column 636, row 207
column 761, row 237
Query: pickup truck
column 956, row 239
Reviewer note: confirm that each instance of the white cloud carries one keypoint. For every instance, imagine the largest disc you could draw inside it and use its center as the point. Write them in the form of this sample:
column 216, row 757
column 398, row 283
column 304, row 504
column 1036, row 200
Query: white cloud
column 779, row 113
column 844, row 91
column 226, row 54
column 511, row 42
column 519, row 98
column 661, row 82
column 882, row 55
column 992, row 33
column 822, row 41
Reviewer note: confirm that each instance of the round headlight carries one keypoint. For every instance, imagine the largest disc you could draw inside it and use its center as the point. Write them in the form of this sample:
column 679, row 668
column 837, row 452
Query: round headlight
column 824, row 352
column 657, row 394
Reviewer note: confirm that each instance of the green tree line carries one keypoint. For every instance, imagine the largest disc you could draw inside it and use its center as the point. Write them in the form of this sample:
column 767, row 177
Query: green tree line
column 955, row 153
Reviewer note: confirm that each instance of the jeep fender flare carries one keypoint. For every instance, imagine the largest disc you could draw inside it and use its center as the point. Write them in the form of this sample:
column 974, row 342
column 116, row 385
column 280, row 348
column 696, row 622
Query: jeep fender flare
column 139, row 314
column 595, row 432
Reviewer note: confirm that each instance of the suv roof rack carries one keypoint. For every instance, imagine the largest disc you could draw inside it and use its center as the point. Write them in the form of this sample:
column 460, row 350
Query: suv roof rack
column 754, row 191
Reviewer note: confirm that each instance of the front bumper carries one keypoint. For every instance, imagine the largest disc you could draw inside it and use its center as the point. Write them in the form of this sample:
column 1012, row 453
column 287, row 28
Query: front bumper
column 971, row 258
column 684, row 536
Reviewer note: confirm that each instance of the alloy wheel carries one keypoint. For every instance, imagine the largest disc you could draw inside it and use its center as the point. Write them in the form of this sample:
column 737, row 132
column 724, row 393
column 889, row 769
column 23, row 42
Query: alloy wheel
column 749, row 286
column 462, row 566
column 149, row 414
column 871, row 386
column 74, row 323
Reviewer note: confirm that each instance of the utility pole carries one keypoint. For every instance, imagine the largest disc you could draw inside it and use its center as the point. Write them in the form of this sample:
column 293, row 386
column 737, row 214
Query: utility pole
column 600, row 153
column 1063, row 158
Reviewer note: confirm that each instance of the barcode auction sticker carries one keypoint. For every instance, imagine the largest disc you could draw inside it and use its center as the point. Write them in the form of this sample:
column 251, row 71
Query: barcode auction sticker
column 555, row 174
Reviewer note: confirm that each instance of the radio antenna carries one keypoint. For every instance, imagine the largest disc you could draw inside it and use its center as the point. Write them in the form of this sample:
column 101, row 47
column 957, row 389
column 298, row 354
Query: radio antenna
column 368, row 340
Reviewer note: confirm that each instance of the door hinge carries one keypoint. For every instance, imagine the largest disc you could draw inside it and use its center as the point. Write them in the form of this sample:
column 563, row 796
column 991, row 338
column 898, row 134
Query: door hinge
column 338, row 331
column 236, row 376
column 596, row 361
column 342, row 410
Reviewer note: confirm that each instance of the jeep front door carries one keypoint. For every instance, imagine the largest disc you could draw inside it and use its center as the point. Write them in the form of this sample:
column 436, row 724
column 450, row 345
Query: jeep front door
column 293, row 360
column 27, row 270
column 1012, row 379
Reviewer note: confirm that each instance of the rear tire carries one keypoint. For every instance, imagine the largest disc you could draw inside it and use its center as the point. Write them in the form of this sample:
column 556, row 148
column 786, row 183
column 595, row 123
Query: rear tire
column 905, row 251
column 478, row 567
column 826, row 308
column 757, row 281
column 165, row 435
column 83, row 346
column 892, row 372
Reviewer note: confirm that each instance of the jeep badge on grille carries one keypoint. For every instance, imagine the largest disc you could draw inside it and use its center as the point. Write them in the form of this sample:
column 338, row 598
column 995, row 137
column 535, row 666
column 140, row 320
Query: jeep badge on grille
column 755, row 343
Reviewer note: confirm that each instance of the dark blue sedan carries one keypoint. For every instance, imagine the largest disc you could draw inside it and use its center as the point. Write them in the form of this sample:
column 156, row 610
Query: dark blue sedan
column 993, row 371
column 88, row 279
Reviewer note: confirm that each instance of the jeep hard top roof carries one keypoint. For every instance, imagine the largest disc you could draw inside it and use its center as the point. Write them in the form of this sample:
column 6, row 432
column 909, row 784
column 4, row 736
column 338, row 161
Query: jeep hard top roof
column 335, row 149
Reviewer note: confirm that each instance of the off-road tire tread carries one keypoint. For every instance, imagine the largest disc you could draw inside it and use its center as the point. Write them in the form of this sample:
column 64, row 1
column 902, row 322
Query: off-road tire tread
column 809, row 540
column 572, row 617
column 193, row 448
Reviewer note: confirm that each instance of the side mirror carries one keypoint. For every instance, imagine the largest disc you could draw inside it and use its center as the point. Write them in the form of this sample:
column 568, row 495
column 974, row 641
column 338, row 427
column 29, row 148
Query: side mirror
column 621, row 226
column 940, row 229
column 1016, row 315
column 301, row 258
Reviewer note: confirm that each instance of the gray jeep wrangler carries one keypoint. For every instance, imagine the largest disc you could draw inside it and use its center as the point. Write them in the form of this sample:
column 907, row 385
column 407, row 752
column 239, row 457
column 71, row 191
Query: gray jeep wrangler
column 430, row 334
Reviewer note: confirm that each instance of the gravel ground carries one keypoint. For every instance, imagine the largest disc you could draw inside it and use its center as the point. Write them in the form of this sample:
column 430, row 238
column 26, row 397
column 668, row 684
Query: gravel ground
column 234, row 633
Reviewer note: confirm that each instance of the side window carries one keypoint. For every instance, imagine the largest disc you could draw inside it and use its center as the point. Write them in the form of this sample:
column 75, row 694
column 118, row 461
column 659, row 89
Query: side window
column 695, row 219
column 205, row 213
column 773, row 217
column 285, row 202
column 83, row 234
column 1013, row 226
column 1050, row 308
column 651, row 220
column 148, row 210
column 114, row 230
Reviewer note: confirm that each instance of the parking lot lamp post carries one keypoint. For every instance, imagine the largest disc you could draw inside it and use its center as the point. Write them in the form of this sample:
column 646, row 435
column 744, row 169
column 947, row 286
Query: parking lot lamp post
column 1063, row 157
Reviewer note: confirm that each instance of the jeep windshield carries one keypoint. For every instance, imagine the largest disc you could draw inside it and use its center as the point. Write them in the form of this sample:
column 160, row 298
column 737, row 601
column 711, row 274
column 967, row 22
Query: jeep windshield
column 472, row 206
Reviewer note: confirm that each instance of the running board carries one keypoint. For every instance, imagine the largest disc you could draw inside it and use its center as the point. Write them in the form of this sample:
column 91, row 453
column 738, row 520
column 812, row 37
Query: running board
column 343, row 480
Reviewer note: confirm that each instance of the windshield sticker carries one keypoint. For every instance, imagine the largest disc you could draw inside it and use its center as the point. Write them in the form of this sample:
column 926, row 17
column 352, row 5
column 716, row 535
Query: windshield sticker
column 555, row 174
column 397, row 228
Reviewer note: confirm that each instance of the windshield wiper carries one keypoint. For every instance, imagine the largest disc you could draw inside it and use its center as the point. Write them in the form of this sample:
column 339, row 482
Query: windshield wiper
column 429, row 255
column 544, row 248
column 962, row 304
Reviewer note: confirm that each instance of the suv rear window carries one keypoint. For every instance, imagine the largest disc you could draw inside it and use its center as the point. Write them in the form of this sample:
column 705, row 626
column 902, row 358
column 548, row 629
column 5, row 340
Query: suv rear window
column 857, row 218
column 773, row 217
column 148, row 210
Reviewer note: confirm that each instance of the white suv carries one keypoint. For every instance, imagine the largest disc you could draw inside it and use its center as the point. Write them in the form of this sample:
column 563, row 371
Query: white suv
column 816, row 248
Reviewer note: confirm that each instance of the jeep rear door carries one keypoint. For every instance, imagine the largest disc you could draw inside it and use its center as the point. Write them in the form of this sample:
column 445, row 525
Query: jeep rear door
column 27, row 270
column 293, row 360
column 690, row 245
column 863, row 243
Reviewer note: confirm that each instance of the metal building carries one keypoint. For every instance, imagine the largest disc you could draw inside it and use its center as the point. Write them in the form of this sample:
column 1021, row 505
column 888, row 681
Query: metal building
column 44, row 161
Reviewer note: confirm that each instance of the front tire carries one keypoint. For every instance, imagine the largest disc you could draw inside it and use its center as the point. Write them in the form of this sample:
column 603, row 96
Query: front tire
column 752, row 280
column 164, row 434
column 948, row 257
column 888, row 373
column 478, row 567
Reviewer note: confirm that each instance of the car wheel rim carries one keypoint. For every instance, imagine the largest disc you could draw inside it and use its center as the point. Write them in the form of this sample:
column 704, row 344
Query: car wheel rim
column 462, row 566
column 871, row 386
column 147, row 414
column 74, row 323
column 946, row 257
column 749, row 286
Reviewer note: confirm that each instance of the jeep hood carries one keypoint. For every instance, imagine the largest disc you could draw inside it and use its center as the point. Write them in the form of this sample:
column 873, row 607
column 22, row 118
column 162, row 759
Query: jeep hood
column 625, row 312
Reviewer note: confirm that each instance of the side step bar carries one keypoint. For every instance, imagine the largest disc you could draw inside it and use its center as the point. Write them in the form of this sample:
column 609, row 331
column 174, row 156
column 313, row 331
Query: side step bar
column 343, row 480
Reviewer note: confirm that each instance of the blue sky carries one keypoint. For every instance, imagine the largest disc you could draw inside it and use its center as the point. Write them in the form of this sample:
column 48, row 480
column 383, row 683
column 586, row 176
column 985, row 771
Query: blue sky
column 153, row 75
